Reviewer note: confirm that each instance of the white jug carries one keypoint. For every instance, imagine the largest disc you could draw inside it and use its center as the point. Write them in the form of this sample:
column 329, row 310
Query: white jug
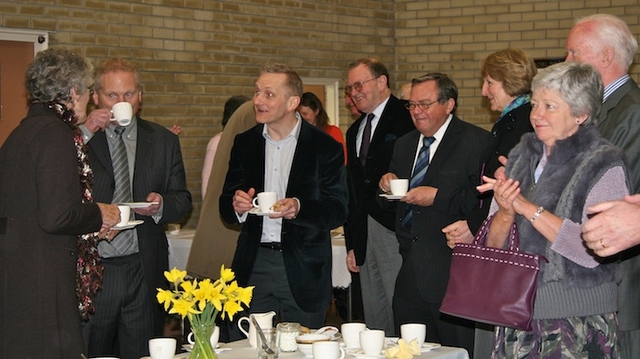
column 265, row 320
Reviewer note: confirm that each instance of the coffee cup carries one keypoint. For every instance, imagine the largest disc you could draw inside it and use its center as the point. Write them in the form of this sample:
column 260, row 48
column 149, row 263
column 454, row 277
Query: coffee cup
column 122, row 113
column 305, row 342
column 399, row 186
column 372, row 341
column 411, row 331
column 214, row 337
column 162, row 348
column 351, row 334
column 125, row 215
column 327, row 350
column 265, row 201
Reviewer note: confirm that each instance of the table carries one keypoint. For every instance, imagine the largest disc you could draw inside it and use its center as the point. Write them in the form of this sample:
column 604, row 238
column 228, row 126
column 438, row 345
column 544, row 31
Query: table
column 242, row 350
column 180, row 246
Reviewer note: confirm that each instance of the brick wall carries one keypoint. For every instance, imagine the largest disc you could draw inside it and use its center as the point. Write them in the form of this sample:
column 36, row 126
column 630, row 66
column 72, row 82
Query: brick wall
column 453, row 36
column 194, row 54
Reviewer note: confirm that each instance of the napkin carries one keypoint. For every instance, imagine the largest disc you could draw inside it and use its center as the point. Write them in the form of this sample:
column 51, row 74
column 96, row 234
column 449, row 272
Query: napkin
column 403, row 350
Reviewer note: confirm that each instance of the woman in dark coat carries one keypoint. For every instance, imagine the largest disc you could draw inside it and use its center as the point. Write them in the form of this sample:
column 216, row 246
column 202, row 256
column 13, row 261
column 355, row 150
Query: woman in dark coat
column 49, row 225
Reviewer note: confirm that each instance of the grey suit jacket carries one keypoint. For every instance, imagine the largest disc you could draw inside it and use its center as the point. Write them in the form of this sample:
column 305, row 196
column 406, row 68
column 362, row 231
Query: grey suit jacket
column 455, row 171
column 619, row 122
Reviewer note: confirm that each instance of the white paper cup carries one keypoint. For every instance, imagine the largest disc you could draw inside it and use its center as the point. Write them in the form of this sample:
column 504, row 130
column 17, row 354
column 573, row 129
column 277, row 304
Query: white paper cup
column 372, row 341
column 351, row 334
column 122, row 113
column 265, row 200
column 411, row 331
column 162, row 348
column 125, row 214
column 399, row 187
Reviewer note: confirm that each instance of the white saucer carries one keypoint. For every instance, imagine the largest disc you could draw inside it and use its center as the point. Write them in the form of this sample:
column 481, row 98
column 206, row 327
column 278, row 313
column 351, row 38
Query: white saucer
column 138, row 204
column 358, row 353
column 217, row 349
column 129, row 225
column 429, row 346
column 257, row 212
column 390, row 196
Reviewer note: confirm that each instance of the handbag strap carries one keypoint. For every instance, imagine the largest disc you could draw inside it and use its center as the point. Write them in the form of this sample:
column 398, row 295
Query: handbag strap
column 481, row 237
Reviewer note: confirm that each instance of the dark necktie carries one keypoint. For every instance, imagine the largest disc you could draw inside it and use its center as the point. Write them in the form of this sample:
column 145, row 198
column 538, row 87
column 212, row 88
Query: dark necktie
column 419, row 170
column 122, row 191
column 366, row 140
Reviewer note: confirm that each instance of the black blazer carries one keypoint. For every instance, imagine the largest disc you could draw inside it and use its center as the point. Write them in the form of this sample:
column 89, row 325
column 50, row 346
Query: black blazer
column 158, row 168
column 318, row 180
column 363, row 182
column 455, row 171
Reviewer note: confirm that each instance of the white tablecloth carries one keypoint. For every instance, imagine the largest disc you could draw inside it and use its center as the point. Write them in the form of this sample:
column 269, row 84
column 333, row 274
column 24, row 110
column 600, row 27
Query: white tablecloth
column 242, row 350
column 180, row 245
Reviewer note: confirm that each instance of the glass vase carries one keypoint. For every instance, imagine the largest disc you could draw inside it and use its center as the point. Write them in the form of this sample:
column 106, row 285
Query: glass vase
column 202, row 348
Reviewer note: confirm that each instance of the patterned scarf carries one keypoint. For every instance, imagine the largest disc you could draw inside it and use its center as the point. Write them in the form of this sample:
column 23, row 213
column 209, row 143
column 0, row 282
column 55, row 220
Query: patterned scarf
column 88, row 266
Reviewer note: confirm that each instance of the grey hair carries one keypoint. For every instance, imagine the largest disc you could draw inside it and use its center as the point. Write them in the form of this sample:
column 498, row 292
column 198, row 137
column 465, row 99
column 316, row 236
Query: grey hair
column 577, row 84
column 53, row 73
column 612, row 31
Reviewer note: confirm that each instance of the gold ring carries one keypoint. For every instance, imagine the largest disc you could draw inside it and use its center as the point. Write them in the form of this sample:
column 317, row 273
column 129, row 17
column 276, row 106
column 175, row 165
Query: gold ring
column 602, row 244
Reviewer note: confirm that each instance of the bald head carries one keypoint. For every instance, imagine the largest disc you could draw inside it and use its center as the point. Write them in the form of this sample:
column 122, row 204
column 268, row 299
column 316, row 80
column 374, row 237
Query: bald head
column 605, row 42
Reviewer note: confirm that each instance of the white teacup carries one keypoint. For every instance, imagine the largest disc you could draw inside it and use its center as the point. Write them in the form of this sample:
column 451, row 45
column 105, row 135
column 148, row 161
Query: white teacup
column 122, row 113
column 411, row 331
column 399, row 187
column 125, row 214
column 162, row 348
column 372, row 341
column 265, row 201
column 305, row 342
column 215, row 336
column 327, row 350
column 351, row 334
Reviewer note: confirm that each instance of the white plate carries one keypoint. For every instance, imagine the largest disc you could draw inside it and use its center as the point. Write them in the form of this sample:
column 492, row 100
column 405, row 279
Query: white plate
column 217, row 349
column 429, row 346
column 257, row 212
column 358, row 353
column 129, row 225
column 138, row 204
column 390, row 196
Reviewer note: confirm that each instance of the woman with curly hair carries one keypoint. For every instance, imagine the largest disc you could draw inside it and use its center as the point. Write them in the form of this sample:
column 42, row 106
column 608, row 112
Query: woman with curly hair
column 49, row 224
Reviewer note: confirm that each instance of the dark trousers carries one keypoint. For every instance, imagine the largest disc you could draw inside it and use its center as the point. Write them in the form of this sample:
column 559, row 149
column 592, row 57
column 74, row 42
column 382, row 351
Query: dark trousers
column 410, row 307
column 272, row 291
column 123, row 322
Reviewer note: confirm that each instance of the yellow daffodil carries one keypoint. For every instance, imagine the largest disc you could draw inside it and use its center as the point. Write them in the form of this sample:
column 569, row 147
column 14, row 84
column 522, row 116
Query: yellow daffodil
column 202, row 300
column 164, row 297
column 245, row 295
column 175, row 276
column 183, row 307
column 226, row 274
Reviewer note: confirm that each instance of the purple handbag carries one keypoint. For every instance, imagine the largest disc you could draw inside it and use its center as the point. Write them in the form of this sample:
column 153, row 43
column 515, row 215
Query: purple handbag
column 492, row 285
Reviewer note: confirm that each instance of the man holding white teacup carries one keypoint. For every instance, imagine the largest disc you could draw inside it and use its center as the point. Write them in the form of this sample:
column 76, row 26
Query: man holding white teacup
column 284, row 249
column 443, row 160
column 136, row 162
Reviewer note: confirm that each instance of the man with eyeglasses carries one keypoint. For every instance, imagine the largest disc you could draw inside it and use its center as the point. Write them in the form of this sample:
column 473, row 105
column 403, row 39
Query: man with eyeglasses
column 443, row 160
column 369, row 231
column 141, row 163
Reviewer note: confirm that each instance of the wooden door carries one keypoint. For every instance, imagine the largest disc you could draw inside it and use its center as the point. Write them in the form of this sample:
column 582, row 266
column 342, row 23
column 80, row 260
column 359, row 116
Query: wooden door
column 15, row 56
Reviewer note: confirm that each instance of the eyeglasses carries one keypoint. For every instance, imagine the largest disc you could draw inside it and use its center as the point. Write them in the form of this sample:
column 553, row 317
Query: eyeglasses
column 357, row 86
column 423, row 106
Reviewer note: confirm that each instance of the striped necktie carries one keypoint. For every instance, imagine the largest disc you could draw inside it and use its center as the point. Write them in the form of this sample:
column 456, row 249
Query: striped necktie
column 122, row 192
column 419, row 170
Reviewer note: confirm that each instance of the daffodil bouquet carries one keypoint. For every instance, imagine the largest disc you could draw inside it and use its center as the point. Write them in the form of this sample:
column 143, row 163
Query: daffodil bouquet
column 201, row 301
